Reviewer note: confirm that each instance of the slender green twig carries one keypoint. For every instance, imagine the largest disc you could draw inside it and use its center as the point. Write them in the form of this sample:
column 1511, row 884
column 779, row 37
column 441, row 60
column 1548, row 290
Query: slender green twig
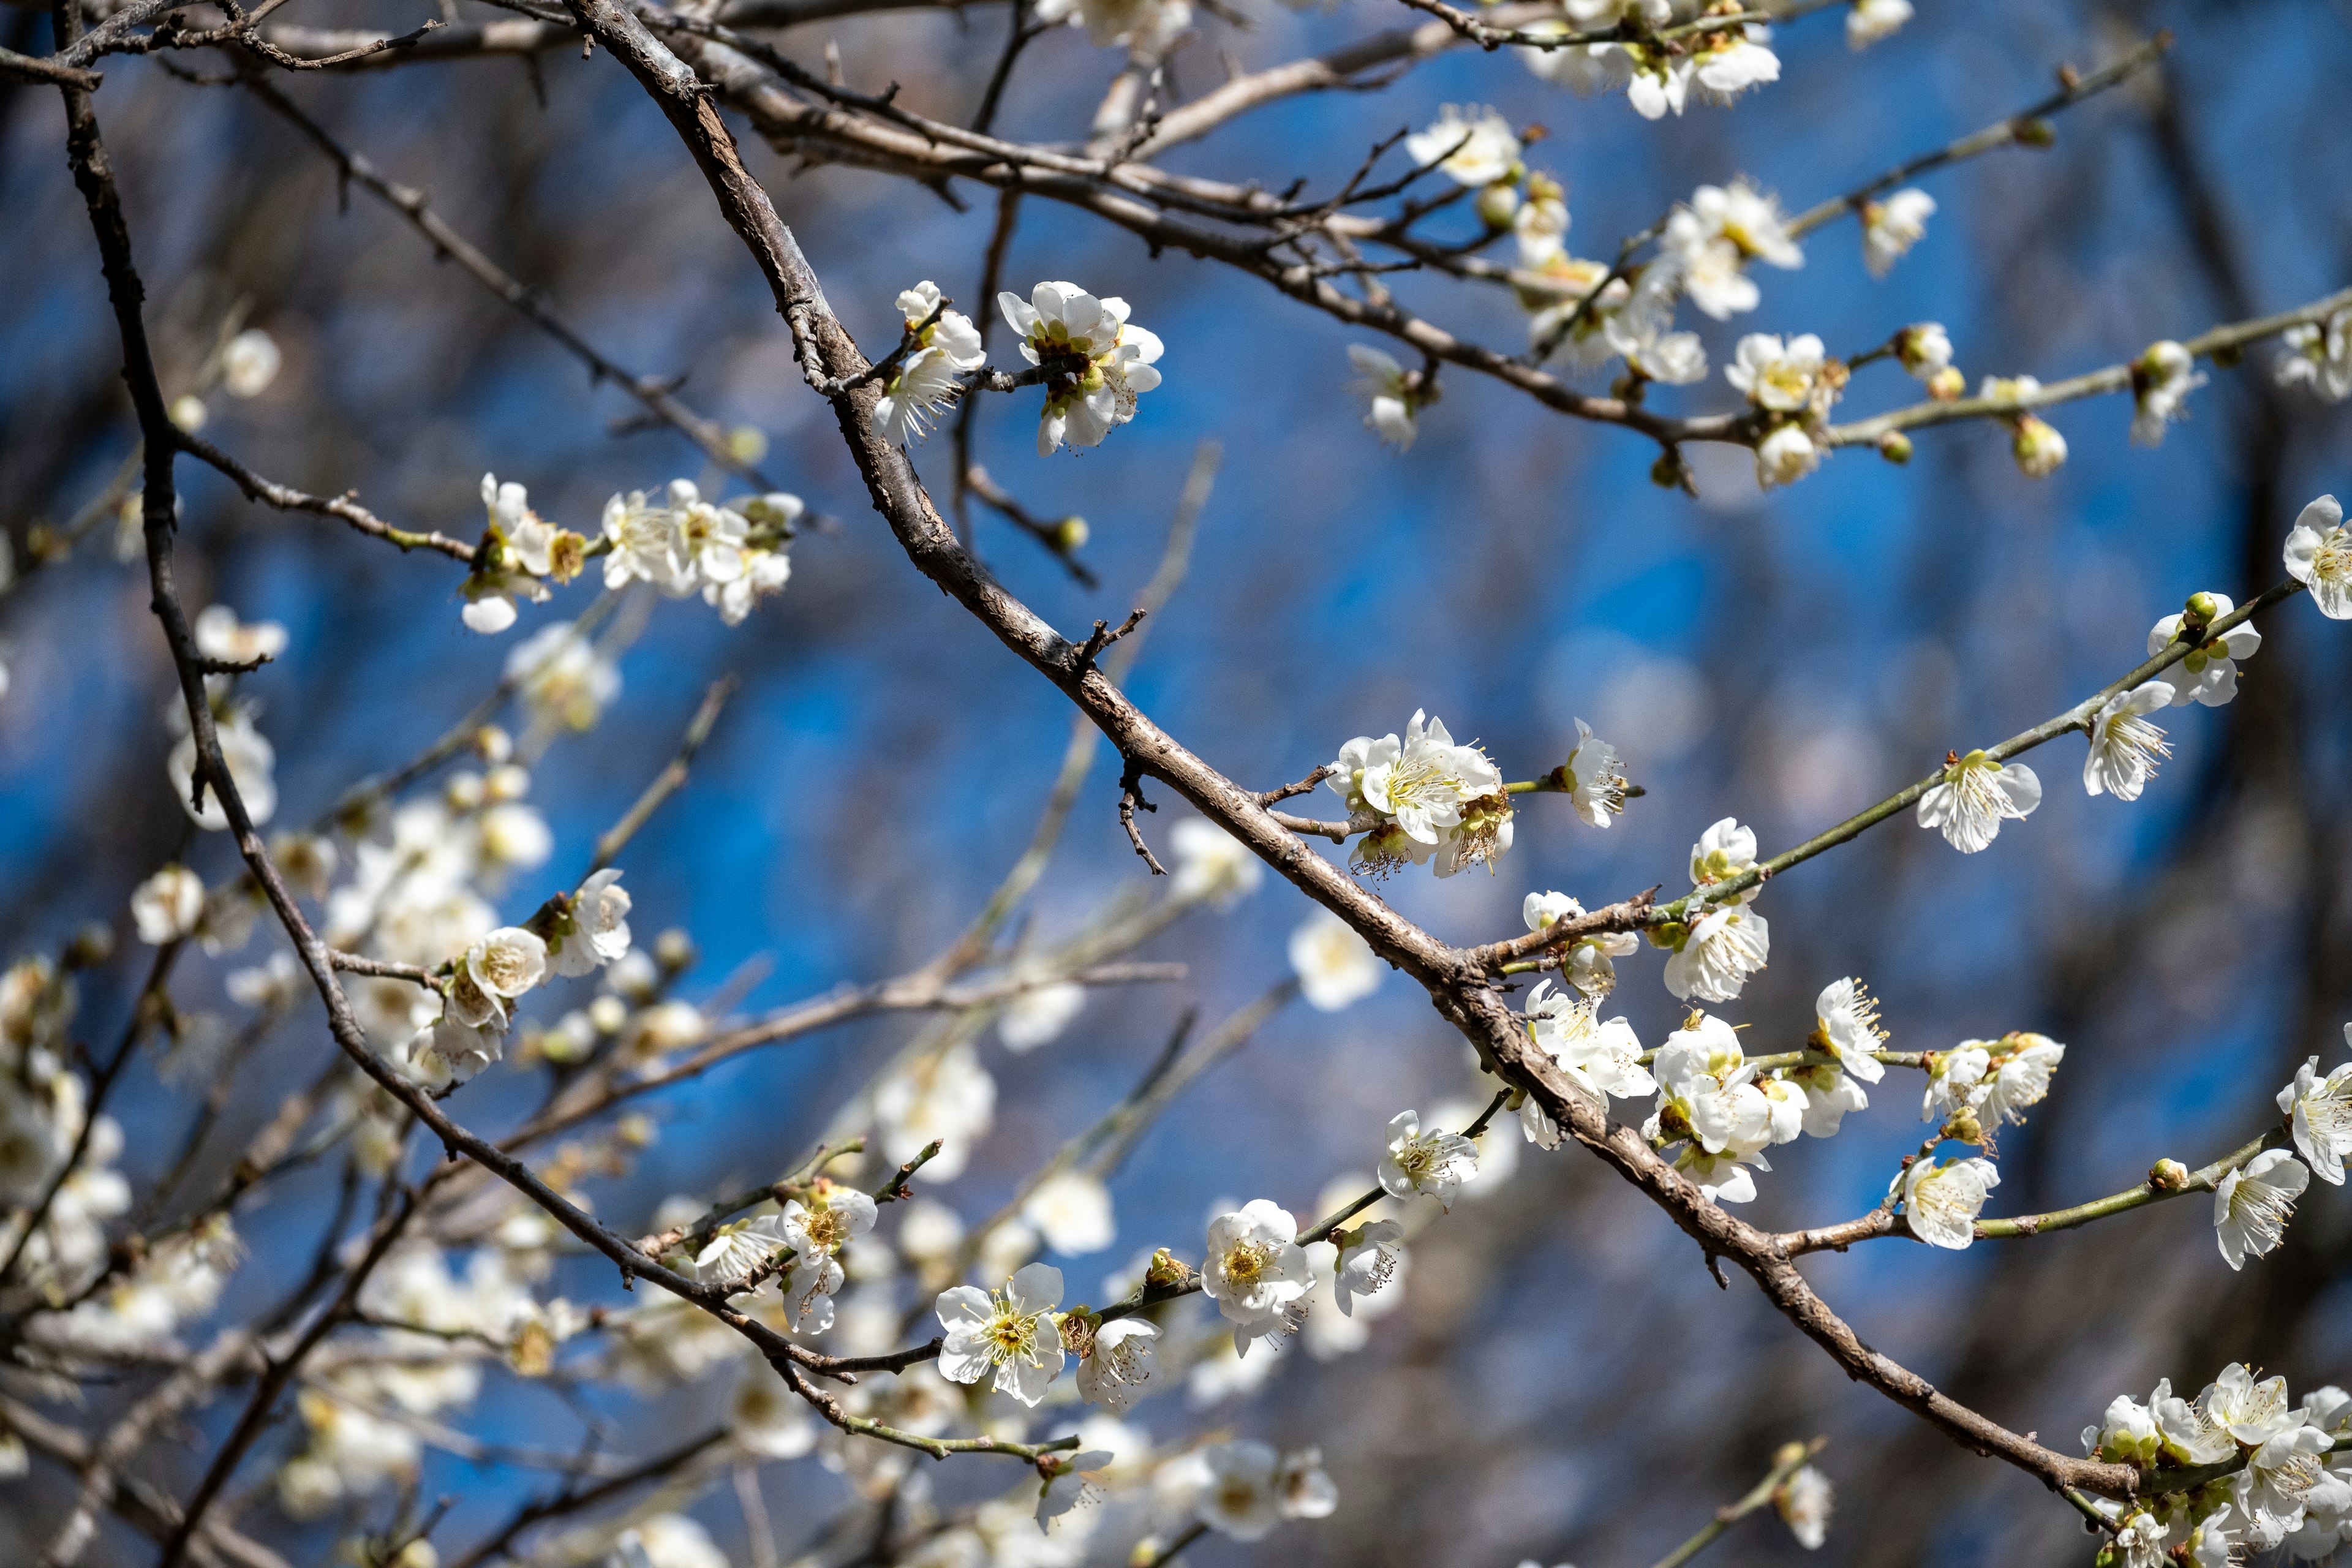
column 1785, row 1464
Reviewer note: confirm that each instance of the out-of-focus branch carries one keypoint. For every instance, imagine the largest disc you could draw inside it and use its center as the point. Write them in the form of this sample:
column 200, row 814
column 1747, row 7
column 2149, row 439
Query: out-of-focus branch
column 1787, row 1462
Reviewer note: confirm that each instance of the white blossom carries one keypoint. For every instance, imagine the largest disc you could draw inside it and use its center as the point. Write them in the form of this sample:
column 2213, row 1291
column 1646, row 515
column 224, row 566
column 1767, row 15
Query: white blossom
column 1145, row 27
column 2127, row 1434
column 249, row 364
column 1942, row 1199
column 1977, row 795
column 2319, row 355
column 1846, row 1027
column 2319, row 1114
column 2162, row 379
column 1255, row 1271
column 2139, row 1542
column 1037, row 1015
column 1393, row 399
column 563, row 678
column 1923, row 348
column 1102, row 363
column 595, row 932
column 1716, row 954
column 1369, row 1261
column 1588, row 962
column 1784, row 457
column 1890, row 227
column 1212, row 865
column 1336, row 968
column 1717, row 234
column 1474, row 145
column 1955, row 1081
column 1593, row 778
column 1120, row 1358
column 1072, row 1211
column 2319, row 556
column 947, row 1099
column 1707, row 1100
column 252, row 768
column 1722, row 852
column 2252, row 1205
column 2018, row 1068
column 1010, row 1333
column 2209, row 674
column 220, row 635
column 1775, row 375
column 1241, row 1498
column 1433, row 1164
column 166, row 906
column 1806, row 1501
column 1868, row 21
column 2123, row 745
column 647, row 538
column 1602, row 1059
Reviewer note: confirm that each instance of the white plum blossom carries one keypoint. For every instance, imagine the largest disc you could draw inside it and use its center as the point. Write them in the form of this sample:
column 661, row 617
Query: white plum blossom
column 1255, row 1271
column 2124, row 745
column 2319, row 355
column 2252, row 1203
column 1474, row 145
column 1942, row 1199
column 2139, row 1541
column 1425, row 784
column 1071, row 1209
column 2127, row 1434
column 816, row 1229
column 1707, row 1100
column 249, row 363
column 1593, row 778
column 220, row 635
column 1240, row 1497
column 2018, row 1068
column 1370, row 1259
column 1010, row 1333
column 1784, row 457
column 1588, row 962
column 1716, row 954
column 1145, row 27
column 2319, row 556
column 595, row 932
column 1602, row 1059
column 1846, row 1027
column 1212, row 865
column 1924, row 349
column 1717, row 234
column 1805, row 1501
column 1890, row 227
column 166, row 906
column 1336, row 968
column 949, row 1099
column 1099, row 361
column 1976, row 796
column 1776, row 376
column 1038, row 1014
column 928, row 380
column 1392, row 397
column 1540, row 225
column 1722, row 852
column 1868, row 21
column 2319, row 1113
column 1955, row 1080
column 2209, row 675
column 1433, row 1164
column 563, row 678
column 252, row 768
column 646, row 535
column 2162, row 379
column 1117, row 1359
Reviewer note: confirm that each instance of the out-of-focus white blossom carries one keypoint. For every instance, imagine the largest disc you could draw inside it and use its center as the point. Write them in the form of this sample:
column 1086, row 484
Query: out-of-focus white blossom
column 2319, row 355
column 1806, row 1499
column 1336, row 968
column 2162, row 379
column 249, row 363
column 1072, row 1211
column 1212, row 865
column 165, row 906
column 1474, row 145
column 1868, row 21
column 1890, row 227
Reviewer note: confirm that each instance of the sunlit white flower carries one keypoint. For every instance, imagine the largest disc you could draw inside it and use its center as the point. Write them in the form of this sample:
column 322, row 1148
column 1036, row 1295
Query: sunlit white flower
column 1037, row 1015
column 1868, row 21
column 2187, row 1431
column 2139, row 1542
column 1776, row 376
column 2319, row 355
column 1924, row 349
column 1118, row 1360
column 1806, row 1501
column 647, row 538
column 1145, row 27
column 1072, row 1211
column 1726, row 64
column 1722, row 852
column 1846, row 1027
column 2209, row 674
column 1100, row 362
column 2123, row 745
column 1602, row 1059
column 1706, row 1095
column 1829, row 1097
column 1426, row 782
column 1474, row 145
column 2252, row 1205
column 1784, row 457
column 1212, row 865
column 1716, row 954
column 1942, row 1199
column 2319, row 556
column 1890, row 227
column 1955, row 1080
column 1540, row 225
column 249, row 364
column 2127, row 1434
column 166, row 906
column 1010, row 1333
column 1254, row 1269
column 1241, row 1498
column 1588, row 964
column 597, row 931
column 1370, row 1261
column 1394, row 398
column 2162, row 379
column 563, row 678
column 817, row 1229
column 2037, row 445
column 1336, row 968
column 220, row 635
column 1714, row 237
column 2319, row 1113
column 1593, row 778
column 1434, row 1163
column 1978, row 795
column 2018, row 1072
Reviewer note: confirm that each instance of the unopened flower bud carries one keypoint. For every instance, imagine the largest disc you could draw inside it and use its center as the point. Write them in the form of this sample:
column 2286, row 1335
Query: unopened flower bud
column 1071, row 534
column 507, row 782
column 1962, row 1127
column 2039, row 449
column 1947, row 383
column 637, row 1129
column 492, row 744
column 1166, row 1271
column 608, row 1014
column 1497, row 203
column 1894, row 446
column 674, row 950
column 92, row 945
column 2202, row 608
column 188, row 412
column 746, row 443
column 2033, row 131
column 2167, row 1176
column 463, row 790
